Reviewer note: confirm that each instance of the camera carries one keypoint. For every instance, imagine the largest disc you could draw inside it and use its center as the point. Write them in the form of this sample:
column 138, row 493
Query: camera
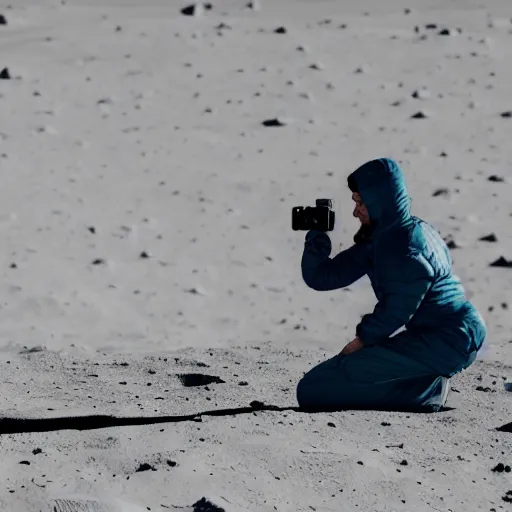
column 319, row 217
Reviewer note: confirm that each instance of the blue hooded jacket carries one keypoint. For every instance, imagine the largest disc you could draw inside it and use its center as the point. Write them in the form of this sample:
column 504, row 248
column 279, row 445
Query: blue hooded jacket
column 407, row 261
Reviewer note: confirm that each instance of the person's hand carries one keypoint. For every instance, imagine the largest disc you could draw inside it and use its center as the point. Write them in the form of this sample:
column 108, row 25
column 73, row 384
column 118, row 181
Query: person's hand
column 353, row 346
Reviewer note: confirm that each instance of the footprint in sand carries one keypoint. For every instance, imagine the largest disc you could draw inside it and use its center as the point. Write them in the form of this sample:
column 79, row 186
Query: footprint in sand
column 80, row 503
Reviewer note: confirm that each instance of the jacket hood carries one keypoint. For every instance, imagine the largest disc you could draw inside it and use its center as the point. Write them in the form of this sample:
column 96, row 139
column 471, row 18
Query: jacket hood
column 381, row 185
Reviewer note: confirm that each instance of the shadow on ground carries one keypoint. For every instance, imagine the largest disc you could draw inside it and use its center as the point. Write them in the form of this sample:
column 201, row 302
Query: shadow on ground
column 19, row 425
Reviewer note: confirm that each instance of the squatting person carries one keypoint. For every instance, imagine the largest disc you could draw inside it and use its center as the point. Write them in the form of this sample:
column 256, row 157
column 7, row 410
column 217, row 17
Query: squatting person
column 410, row 269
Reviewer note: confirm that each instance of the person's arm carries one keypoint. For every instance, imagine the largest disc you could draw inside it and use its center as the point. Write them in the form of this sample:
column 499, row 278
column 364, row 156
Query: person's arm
column 322, row 273
column 408, row 282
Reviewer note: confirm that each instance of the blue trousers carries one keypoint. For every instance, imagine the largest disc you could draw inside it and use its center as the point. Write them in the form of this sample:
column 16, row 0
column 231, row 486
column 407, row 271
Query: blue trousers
column 405, row 373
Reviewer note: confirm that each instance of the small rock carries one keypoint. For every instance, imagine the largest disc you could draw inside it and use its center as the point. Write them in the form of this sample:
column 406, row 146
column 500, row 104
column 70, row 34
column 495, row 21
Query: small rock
column 501, row 262
column 144, row 255
column 37, row 348
column 420, row 115
column 489, row 238
column 507, row 497
column 441, row 192
column 421, row 94
column 193, row 10
column 508, row 114
column 317, row 65
column 254, row 5
column 274, row 122
column 198, row 379
column 204, row 505
column 280, row 30
column 496, row 179
column 404, row 463
column 223, row 26
column 452, row 244
column 195, row 291
column 4, row 74
column 3, row 20
column 145, row 467
column 449, row 32
column 431, row 26
column 98, row 261
column 331, row 424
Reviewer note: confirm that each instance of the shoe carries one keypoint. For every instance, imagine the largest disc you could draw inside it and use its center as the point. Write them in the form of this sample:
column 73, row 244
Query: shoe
column 444, row 390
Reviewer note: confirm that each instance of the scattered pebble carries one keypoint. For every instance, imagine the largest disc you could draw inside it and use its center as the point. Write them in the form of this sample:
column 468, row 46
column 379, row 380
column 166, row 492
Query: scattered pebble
column 421, row 94
column 145, row 467
column 500, row 468
column 501, row 262
column 449, row 31
column 420, row 115
column 204, row 505
column 452, row 244
column 489, row 238
column 277, row 121
column 196, row 9
column 254, row 5
column 198, row 379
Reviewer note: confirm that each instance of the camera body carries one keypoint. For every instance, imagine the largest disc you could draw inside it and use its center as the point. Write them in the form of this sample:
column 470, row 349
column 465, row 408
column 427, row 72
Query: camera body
column 319, row 217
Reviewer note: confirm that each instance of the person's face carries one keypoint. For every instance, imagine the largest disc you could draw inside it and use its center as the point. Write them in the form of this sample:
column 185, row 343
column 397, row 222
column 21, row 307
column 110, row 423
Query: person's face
column 360, row 210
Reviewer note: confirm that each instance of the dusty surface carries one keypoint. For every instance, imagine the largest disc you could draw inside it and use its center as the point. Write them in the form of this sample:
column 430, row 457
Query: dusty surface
column 146, row 233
